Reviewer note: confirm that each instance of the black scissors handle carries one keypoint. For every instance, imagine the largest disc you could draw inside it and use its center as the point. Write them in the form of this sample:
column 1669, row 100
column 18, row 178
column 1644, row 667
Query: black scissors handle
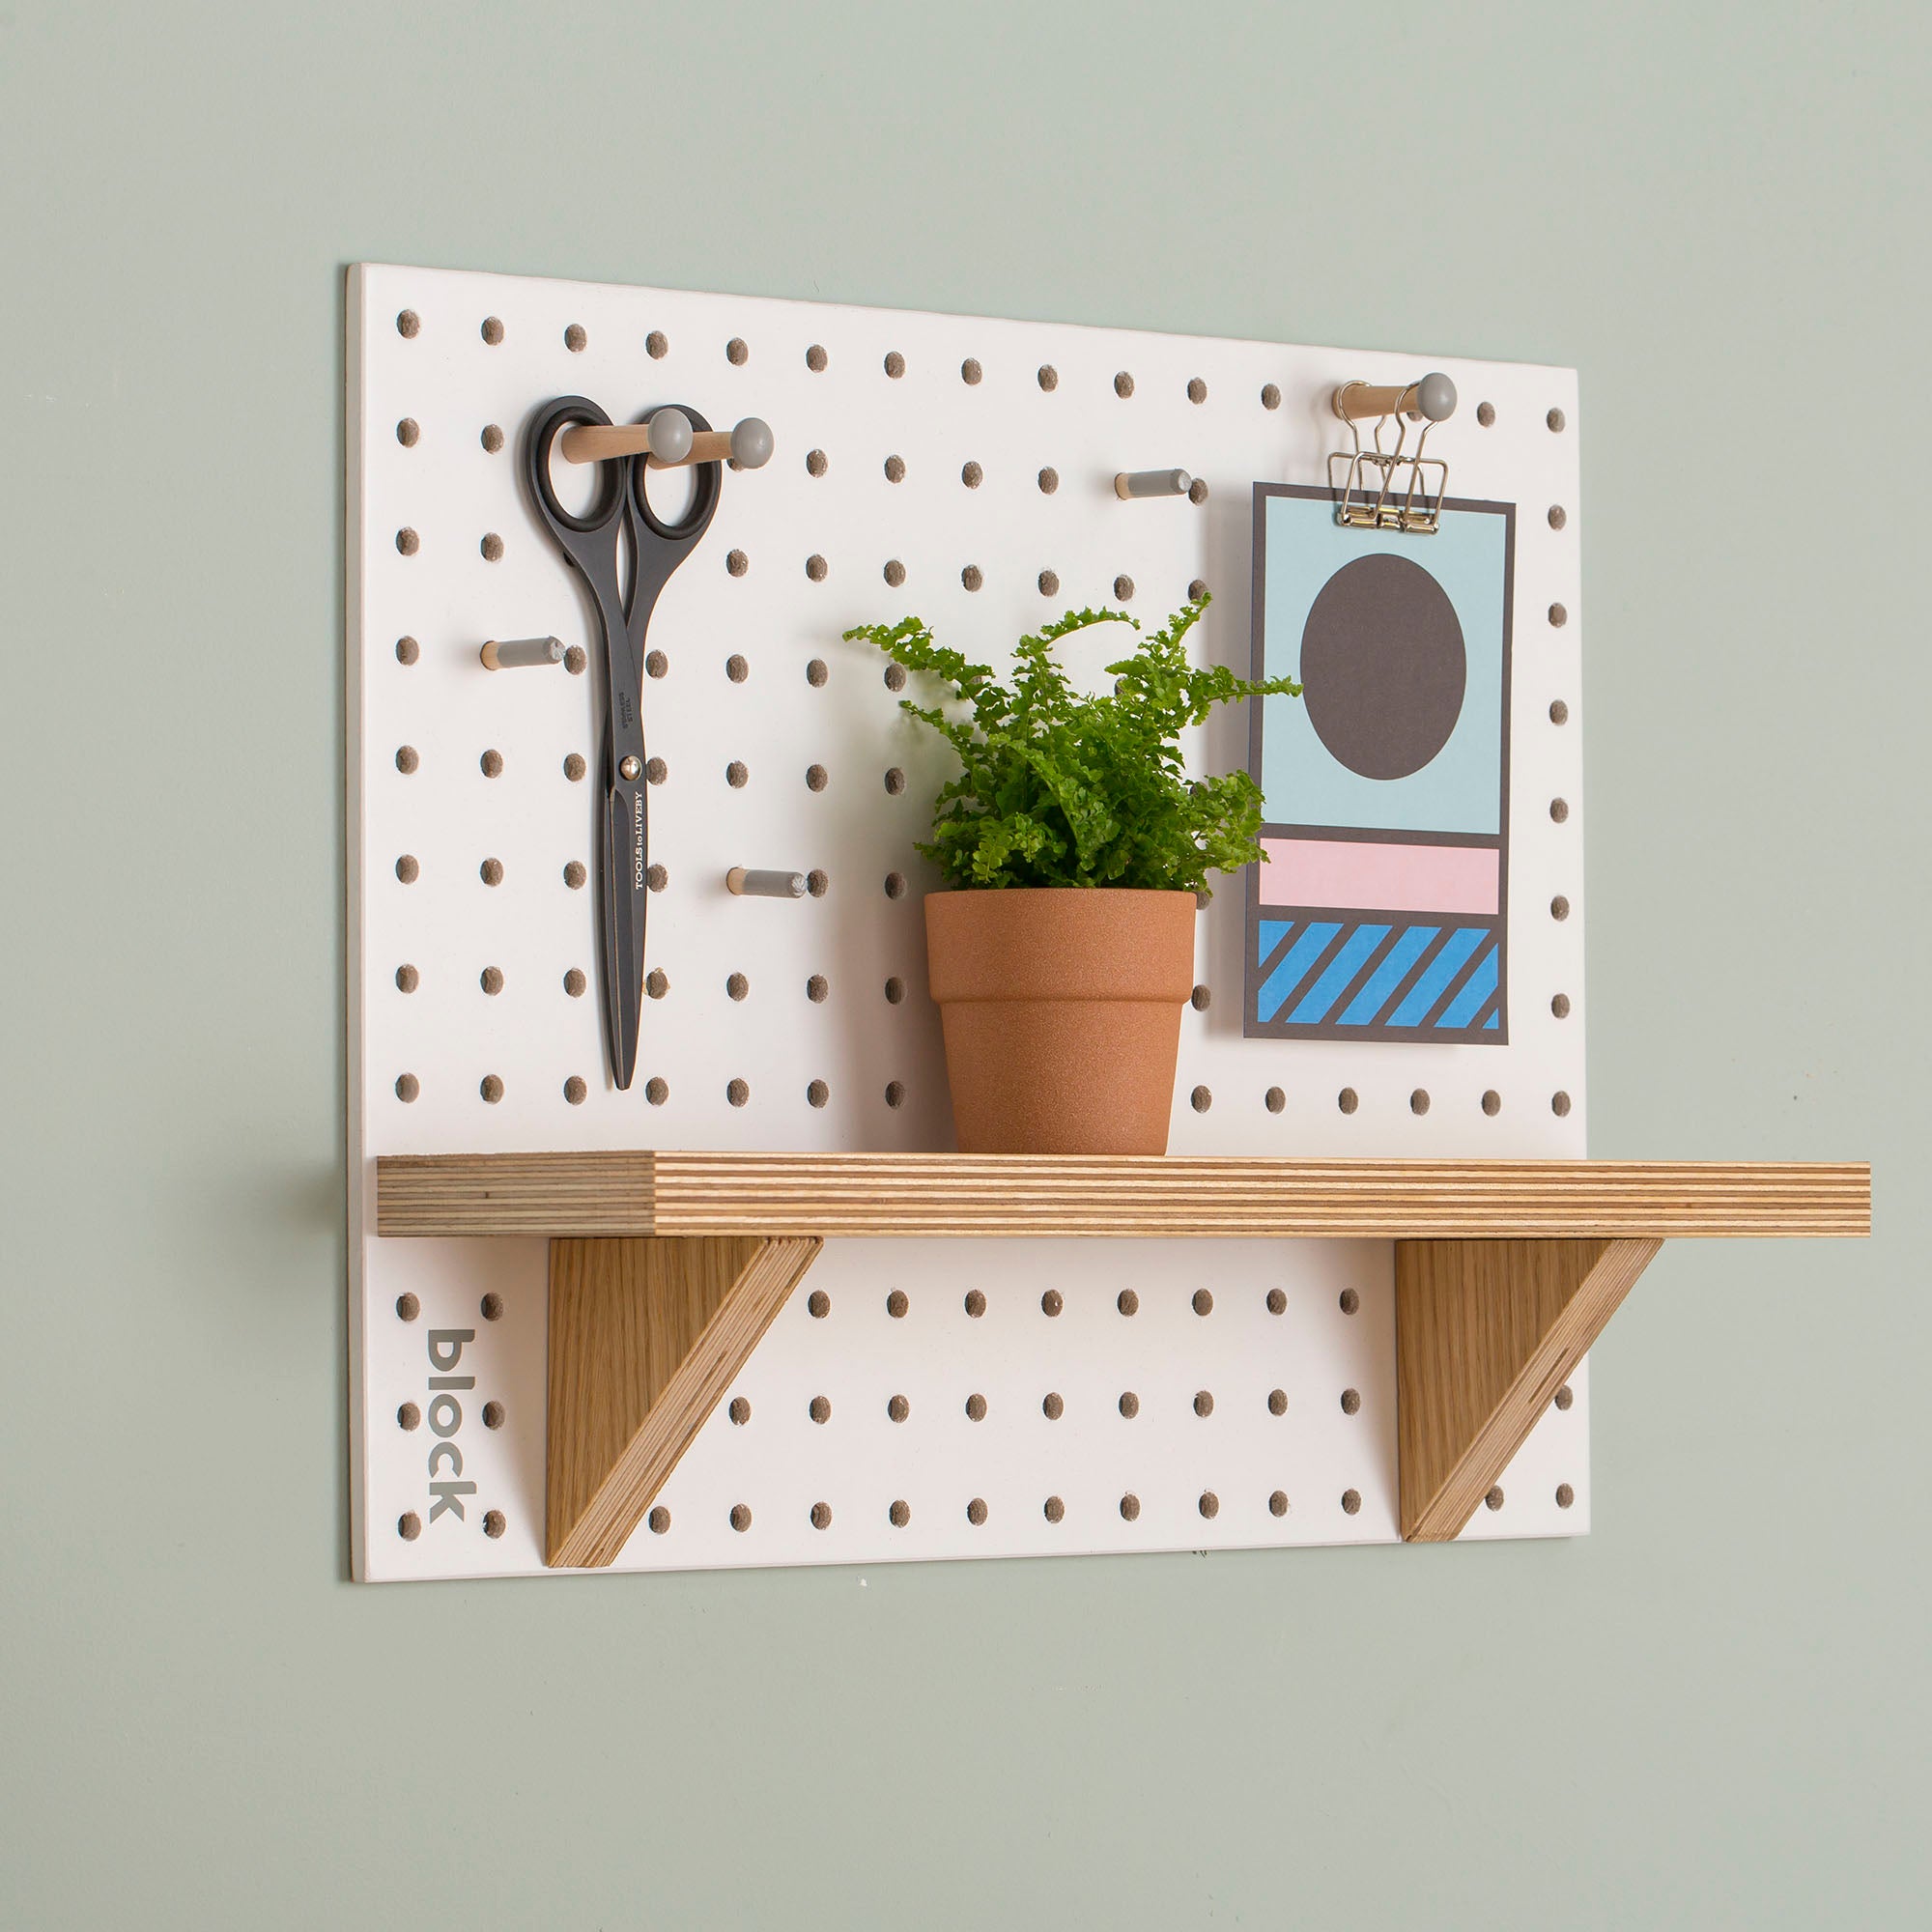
column 621, row 516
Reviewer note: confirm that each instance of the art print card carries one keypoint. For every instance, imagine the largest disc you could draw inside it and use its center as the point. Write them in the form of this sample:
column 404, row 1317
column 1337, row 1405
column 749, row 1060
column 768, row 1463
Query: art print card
column 1381, row 913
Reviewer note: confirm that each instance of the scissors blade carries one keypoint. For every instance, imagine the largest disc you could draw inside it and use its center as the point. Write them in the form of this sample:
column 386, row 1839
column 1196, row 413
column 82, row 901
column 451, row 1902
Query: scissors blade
column 624, row 894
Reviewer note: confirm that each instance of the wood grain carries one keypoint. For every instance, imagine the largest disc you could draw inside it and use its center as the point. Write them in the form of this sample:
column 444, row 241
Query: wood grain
column 1486, row 1333
column 645, row 1193
column 646, row 1335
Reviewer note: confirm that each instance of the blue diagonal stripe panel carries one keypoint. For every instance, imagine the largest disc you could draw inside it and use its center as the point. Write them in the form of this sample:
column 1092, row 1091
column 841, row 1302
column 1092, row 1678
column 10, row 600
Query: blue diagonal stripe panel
column 1272, row 932
column 1350, row 958
column 1474, row 993
column 1368, row 1003
column 1295, row 966
column 1435, row 977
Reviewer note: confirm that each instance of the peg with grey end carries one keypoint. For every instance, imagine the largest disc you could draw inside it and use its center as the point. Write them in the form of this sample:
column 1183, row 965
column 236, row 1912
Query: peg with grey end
column 517, row 653
column 1131, row 483
column 758, row 885
column 669, row 440
column 1431, row 397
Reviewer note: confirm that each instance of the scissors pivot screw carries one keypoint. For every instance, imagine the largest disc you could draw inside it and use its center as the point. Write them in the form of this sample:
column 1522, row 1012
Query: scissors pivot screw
column 630, row 767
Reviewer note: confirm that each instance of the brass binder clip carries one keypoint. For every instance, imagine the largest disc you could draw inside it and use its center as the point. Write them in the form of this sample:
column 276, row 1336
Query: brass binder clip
column 1381, row 489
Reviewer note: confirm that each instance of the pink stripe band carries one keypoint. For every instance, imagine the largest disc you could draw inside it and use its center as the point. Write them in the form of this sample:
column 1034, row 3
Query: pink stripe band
column 1381, row 878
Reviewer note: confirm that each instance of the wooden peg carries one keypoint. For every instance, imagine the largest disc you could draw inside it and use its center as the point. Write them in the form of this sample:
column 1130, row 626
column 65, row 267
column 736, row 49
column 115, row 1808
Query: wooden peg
column 1433, row 396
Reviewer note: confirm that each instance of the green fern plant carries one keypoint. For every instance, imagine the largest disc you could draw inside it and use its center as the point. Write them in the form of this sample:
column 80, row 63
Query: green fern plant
column 1057, row 788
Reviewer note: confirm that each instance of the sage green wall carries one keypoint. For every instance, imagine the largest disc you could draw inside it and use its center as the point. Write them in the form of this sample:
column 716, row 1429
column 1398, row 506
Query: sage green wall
column 1710, row 1712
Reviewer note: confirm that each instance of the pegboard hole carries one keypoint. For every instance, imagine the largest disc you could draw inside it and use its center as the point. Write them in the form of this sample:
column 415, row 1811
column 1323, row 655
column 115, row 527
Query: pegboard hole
column 1277, row 1301
column 1559, row 907
column 1351, row 1502
column 657, row 1089
column 1565, row 1396
column 1559, row 810
column 899, row 1408
column 408, row 1307
column 1277, row 1401
column 741, row 1517
column 1271, row 396
column 491, row 1087
column 1492, row 1103
column 817, row 1093
column 1559, row 1004
column 1124, row 386
column 740, row 1410
column 1559, row 1104
column 895, row 1093
column 1560, row 616
column 1204, row 1301
column 407, row 542
column 409, row 1416
column 657, row 344
column 574, row 767
column 1130, row 1507
column 975, row 1408
column 1210, row 1504
column 1565, row 1495
column 817, row 989
column 408, row 650
column 1274, row 1100
column 575, row 984
column 1053, row 1406
column 1347, row 1099
column 656, row 771
column 492, row 547
column 491, row 765
column 896, row 364
column 493, row 1416
column 657, row 878
column 736, row 986
column 816, row 672
column 1050, row 583
column 1558, row 516
column 1204, row 1402
column 894, row 575
column 895, row 991
column 1197, row 590
column 1127, row 1301
column 491, row 438
column 896, row 885
column 1495, row 1499
column 820, row 1408
column 1051, row 1303
column 1485, row 414
column 409, row 1525
column 1348, row 1301
column 408, row 1086
column 409, row 323
column 491, row 1307
column 896, row 1304
column 1201, row 1100
column 900, row 1514
column 1201, row 999
column 1129, row 1404
column 1048, row 377
column 1053, row 1509
column 659, row 1521
column 408, row 431
column 975, row 1304
column 971, row 373
column 1351, row 1402
column 738, row 1091
column 815, row 358
column 408, row 979
column 1049, row 480
column 1197, row 389
column 972, row 475
column 577, row 338
column 736, row 562
column 818, row 883
column 1556, row 421
column 976, row 1510
column 821, row 1515
column 1196, row 490
column 1124, row 589
column 494, row 1522
column 816, row 463
column 576, row 660
column 737, row 774
column 1278, row 1503
column 1418, row 1101
column 1559, row 712
column 574, row 875
column 895, row 470
column 972, row 577
column 816, row 568
column 737, row 352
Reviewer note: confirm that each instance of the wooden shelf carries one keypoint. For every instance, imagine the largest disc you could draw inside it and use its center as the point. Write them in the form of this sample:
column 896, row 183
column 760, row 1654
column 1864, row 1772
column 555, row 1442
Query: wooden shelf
column 764, row 1193
column 666, row 1269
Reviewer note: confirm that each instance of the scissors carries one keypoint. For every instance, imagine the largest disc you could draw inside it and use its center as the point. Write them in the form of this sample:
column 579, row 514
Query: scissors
column 593, row 543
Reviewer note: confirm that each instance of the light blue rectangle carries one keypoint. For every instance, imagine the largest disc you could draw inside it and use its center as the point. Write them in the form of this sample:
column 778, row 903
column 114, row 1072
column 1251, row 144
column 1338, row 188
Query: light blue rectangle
column 1302, row 784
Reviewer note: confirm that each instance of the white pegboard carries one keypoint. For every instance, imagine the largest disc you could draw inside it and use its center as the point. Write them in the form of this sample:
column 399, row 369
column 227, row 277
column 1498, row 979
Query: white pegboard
column 457, row 1041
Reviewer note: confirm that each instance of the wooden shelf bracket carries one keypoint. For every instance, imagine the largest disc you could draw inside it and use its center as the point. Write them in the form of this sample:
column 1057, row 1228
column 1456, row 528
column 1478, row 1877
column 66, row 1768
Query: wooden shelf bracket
column 645, row 1336
column 1486, row 1333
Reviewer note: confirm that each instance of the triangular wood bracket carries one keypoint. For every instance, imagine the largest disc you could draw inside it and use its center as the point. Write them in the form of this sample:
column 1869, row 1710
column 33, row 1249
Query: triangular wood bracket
column 645, row 1336
column 1486, row 1333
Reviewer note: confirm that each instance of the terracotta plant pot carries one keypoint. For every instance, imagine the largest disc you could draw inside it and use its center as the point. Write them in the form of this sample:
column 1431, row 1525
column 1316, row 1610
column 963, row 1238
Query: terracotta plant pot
column 1062, row 1009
